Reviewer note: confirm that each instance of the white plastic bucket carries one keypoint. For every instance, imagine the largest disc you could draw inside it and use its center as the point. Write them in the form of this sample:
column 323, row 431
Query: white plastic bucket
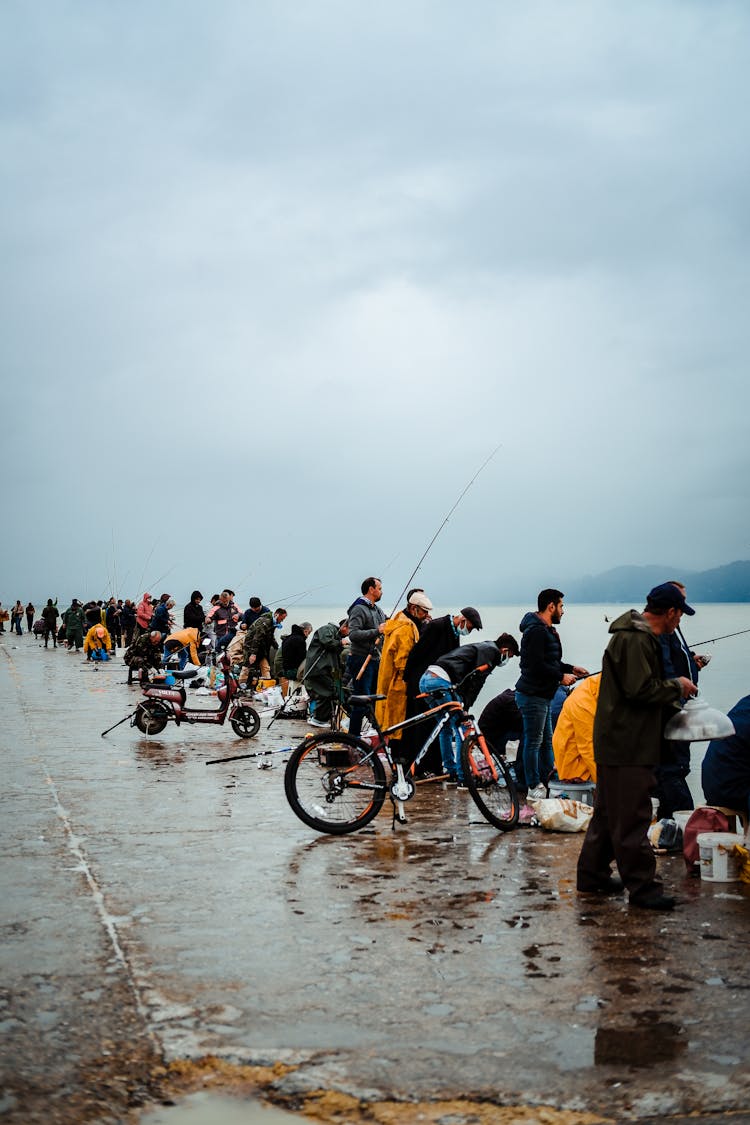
column 681, row 817
column 717, row 865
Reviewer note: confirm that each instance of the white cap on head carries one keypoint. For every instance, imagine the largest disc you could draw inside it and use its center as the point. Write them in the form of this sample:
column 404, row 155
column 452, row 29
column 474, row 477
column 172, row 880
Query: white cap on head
column 421, row 600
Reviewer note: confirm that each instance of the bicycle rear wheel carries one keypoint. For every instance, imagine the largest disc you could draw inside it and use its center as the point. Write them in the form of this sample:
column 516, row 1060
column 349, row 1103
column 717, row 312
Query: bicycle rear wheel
column 335, row 783
column 496, row 798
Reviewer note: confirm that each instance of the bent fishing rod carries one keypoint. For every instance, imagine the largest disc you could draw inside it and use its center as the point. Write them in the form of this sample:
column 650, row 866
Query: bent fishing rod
column 427, row 550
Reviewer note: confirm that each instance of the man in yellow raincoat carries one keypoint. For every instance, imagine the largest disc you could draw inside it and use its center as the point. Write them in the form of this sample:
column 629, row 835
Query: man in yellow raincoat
column 573, row 736
column 400, row 634
column 97, row 640
column 184, row 644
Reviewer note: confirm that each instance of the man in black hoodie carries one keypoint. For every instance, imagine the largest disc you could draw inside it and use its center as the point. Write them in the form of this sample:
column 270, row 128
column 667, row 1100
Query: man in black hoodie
column 542, row 672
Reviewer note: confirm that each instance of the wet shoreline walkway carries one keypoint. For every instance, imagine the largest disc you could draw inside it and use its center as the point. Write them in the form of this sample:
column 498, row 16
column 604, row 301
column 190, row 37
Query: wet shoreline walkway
column 158, row 910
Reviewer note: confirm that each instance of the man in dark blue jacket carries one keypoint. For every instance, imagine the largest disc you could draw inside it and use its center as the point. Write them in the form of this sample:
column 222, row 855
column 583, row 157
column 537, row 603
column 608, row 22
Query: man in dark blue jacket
column 475, row 661
column 542, row 672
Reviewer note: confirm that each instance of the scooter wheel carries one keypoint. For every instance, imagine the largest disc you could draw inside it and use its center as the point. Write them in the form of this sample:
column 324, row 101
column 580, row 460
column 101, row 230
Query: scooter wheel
column 245, row 721
column 151, row 718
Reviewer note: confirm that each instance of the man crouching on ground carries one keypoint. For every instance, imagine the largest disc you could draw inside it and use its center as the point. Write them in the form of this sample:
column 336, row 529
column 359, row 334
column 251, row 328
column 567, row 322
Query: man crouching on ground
column 634, row 703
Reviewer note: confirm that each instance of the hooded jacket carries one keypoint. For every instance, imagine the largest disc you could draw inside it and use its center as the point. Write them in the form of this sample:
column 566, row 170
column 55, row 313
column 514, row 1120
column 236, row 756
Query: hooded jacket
column 635, row 700
column 573, row 736
column 293, row 649
column 459, row 663
column 400, row 636
column 144, row 611
column 92, row 641
column 188, row 638
column 258, row 639
column 323, row 660
column 542, row 666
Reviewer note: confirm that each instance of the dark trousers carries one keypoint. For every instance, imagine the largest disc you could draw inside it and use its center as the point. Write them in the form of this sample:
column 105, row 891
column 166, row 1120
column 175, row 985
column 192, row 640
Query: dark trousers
column 365, row 685
column 672, row 788
column 619, row 831
column 50, row 633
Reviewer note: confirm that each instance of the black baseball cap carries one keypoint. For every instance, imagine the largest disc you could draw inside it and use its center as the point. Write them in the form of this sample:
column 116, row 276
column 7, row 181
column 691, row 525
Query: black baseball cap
column 669, row 596
column 472, row 616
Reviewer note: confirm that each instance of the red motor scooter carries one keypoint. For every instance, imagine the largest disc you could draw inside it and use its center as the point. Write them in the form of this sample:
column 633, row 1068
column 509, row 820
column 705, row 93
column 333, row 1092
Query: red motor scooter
column 165, row 703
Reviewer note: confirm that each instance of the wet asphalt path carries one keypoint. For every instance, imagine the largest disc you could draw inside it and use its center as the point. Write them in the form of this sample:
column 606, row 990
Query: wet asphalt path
column 156, row 908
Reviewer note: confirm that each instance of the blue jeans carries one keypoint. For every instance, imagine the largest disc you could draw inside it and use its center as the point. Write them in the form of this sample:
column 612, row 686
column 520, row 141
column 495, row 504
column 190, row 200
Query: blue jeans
column 180, row 653
column 450, row 747
column 538, row 759
column 365, row 685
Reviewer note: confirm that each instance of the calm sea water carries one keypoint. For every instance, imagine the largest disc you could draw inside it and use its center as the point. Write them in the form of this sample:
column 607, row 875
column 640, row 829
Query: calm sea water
column 584, row 635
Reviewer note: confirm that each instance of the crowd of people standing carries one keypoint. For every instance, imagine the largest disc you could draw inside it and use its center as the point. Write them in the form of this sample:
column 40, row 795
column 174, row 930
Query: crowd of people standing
column 609, row 730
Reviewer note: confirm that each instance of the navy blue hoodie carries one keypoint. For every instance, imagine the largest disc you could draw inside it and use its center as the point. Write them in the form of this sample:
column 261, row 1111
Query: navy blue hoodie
column 542, row 666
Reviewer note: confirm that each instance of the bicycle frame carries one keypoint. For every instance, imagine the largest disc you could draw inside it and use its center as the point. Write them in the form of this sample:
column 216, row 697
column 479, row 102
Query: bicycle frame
column 403, row 787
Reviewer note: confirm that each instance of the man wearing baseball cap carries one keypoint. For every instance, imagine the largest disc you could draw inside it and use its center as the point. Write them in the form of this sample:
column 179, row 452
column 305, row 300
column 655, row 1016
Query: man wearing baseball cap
column 634, row 702
column 437, row 638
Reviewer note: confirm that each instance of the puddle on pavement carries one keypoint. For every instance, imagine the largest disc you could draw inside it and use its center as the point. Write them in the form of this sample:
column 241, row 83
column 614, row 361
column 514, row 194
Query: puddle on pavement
column 214, row 1109
column 636, row 1046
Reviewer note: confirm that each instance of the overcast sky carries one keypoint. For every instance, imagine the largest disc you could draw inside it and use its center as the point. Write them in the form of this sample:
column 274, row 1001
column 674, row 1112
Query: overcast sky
column 278, row 277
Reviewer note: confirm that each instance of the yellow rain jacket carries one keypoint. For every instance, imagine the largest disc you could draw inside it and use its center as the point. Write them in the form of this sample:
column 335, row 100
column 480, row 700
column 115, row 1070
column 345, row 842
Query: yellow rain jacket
column 91, row 641
column 399, row 637
column 573, row 738
column 189, row 638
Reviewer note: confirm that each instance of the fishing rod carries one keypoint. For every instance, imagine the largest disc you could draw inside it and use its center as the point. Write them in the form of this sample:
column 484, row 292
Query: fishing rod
column 290, row 599
column 242, row 757
column 711, row 640
column 148, row 560
column 155, row 585
column 427, row 550
column 483, row 466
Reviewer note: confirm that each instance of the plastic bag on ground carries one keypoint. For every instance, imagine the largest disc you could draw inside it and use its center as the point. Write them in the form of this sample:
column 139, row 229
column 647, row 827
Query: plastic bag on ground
column 562, row 814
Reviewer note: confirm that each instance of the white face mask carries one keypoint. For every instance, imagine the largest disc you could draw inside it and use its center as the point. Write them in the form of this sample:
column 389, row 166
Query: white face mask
column 503, row 659
column 463, row 630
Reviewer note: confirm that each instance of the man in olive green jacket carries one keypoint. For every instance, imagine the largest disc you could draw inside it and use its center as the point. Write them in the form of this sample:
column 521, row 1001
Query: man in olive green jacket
column 634, row 703
column 73, row 621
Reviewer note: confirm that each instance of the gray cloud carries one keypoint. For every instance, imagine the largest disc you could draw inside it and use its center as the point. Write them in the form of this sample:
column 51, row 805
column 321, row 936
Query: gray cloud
column 279, row 277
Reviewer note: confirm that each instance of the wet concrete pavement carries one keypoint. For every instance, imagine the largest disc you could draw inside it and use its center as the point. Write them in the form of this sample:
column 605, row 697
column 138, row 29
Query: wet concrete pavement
column 156, row 909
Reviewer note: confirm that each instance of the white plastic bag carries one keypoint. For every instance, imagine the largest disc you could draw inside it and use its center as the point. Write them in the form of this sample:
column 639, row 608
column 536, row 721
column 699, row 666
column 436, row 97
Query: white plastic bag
column 562, row 814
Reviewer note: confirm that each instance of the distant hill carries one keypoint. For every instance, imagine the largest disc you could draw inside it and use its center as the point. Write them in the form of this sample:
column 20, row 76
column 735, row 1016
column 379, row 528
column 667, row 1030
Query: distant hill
column 730, row 583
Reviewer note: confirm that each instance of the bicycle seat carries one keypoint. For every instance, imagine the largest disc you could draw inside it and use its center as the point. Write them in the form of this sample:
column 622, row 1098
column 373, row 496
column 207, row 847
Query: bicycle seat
column 360, row 700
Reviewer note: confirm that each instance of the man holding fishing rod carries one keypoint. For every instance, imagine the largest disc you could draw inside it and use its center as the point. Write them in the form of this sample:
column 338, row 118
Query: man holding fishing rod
column 366, row 622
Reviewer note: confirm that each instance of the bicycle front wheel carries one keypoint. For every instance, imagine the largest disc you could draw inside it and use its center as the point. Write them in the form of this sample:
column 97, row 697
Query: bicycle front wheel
column 496, row 797
column 335, row 783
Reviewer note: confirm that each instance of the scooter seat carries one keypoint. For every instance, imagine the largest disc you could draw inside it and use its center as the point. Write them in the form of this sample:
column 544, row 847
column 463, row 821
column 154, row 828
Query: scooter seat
column 186, row 674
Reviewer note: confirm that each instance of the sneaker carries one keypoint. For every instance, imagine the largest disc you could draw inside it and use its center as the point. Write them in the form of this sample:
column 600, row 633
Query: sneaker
column 462, row 787
column 537, row 793
column 318, row 723
column 526, row 815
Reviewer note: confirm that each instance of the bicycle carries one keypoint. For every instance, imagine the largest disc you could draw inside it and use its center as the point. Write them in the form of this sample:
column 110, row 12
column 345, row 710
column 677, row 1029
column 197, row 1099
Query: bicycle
column 337, row 783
